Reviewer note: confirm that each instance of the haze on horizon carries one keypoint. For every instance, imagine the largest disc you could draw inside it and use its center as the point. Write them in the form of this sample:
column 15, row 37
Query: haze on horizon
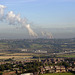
column 52, row 16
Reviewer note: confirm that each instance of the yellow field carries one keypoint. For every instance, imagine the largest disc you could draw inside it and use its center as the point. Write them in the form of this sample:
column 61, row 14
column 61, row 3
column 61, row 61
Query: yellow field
column 15, row 57
column 18, row 56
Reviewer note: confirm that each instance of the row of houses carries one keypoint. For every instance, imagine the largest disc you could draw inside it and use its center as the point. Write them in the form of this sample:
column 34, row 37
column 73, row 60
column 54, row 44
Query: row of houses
column 58, row 60
column 16, row 62
column 52, row 69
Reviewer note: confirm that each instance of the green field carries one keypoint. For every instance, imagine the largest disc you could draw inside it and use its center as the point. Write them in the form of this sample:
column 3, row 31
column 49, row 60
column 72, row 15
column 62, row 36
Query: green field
column 67, row 55
column 58, row 74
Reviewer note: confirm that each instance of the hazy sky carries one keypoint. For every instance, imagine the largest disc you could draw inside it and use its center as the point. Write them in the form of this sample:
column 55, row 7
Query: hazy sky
column 42, row 13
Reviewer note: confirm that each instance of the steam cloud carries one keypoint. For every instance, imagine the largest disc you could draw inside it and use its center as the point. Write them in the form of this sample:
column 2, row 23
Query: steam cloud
column 14, row 19
column 47, row 35
column 31, row 31
column 2, row 7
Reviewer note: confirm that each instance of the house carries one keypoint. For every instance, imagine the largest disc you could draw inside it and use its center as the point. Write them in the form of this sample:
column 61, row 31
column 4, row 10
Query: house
column 57, row 69
column 16, row 69
column 60, row 69
column 19, row 72
column 42, row 70
column 47, row 68
column 52, row 69
column 71, row 69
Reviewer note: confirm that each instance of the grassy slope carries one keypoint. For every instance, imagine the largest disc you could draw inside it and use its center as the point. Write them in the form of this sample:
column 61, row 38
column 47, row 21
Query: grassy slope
column 58, row 74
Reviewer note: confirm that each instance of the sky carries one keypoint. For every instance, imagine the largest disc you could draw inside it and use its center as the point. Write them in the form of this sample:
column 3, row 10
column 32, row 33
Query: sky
column 41, row 14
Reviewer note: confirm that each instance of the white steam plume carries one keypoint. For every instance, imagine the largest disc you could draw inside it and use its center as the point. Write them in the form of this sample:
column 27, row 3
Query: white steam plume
column 31, row 32
column 2, row 7
column 14, row 19
column 47, row 34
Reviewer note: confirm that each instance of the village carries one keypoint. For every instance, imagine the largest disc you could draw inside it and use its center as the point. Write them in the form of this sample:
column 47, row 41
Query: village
column 37, row 67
